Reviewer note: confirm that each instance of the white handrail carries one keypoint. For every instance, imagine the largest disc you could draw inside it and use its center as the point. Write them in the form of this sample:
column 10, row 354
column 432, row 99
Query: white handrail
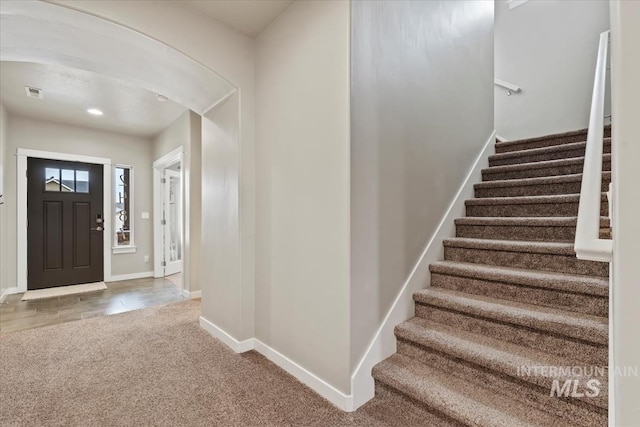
column 509, row 86
column 588, row 244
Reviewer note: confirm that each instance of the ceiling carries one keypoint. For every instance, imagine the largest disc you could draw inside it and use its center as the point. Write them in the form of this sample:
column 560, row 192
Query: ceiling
column 69, row 92
column 250, row 17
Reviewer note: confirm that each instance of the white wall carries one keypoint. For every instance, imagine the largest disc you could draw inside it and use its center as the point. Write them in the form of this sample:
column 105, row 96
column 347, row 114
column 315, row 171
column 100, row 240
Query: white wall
column 221, row 249
column 4, row 267
column 625, row 69
column 549, row 49
column 302, row 176
column 33, row 134
column 421, row 111
column 185, row 132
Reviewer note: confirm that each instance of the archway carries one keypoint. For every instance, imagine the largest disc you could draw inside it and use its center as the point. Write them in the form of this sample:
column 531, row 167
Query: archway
column 52, row 34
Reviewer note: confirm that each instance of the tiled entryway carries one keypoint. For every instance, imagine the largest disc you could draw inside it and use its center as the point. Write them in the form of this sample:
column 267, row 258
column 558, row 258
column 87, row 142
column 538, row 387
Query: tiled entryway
column 17, row 315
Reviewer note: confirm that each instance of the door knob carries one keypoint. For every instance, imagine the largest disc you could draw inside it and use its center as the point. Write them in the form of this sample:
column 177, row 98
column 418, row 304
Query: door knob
column 97, row 229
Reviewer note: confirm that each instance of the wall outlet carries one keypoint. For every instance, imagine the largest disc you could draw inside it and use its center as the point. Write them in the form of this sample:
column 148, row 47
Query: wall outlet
column 146, row 258
column 145, row 215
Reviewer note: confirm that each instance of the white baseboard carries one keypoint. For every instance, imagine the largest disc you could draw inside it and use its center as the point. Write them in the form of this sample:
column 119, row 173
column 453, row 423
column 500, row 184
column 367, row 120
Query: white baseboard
column 191, row 295
column 317, row 384
column 383, row 344
column 9, row 291
column 216, row 332
column 501, row 139
column 121, row 277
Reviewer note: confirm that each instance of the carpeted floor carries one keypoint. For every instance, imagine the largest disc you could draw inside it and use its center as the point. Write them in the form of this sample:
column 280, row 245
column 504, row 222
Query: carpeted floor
column 156, row 366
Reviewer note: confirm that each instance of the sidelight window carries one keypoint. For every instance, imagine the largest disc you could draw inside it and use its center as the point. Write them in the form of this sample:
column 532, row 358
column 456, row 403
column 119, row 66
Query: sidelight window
column 123, row 210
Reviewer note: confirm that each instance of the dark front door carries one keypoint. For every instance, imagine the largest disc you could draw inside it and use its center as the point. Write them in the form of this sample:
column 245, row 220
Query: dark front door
column 65, row 223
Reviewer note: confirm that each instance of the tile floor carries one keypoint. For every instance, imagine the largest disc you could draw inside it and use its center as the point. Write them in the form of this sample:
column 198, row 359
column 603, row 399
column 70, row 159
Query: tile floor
column 17, row 315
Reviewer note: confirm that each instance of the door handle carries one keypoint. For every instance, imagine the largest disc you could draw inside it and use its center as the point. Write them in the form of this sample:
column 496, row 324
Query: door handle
column 97, row 229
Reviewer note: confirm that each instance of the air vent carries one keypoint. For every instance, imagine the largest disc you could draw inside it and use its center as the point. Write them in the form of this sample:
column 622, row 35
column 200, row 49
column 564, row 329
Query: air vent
column 33, row 92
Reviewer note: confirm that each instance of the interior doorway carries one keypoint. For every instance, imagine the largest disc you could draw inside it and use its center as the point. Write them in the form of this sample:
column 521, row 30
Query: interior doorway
column 172, row 216
column 168, row 215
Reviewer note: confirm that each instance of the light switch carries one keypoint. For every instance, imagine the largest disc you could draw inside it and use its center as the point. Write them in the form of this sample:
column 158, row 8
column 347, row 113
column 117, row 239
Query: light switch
column 145, row 215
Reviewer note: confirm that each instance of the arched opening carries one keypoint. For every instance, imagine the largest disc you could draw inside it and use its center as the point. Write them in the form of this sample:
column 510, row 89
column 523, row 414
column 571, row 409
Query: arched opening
column 40, row 32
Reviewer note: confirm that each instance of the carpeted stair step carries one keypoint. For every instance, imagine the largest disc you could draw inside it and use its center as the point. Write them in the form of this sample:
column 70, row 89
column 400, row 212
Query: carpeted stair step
column 546, row 141
column 539, row 256
column 560, row 229
column 462, row 401
column 504, row 367
column 558, row 332
column 539, row 169
column 541, row 186
column 581, row 294
column 395, row 409
column 564, row 151
column 530, row 206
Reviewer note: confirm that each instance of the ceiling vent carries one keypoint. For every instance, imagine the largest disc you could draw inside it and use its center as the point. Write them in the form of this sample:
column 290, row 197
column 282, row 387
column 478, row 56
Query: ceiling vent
column 33, row 92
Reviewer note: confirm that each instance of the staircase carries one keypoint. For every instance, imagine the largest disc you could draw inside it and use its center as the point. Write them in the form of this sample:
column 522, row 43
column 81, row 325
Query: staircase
column 511, row 296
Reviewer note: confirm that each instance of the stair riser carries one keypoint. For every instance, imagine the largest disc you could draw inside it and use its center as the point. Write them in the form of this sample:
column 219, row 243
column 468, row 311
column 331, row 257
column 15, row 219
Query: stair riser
column 552, row 155
column 505, row 148
column 540, row 340
column 516, row 388
column 488, row 175
column 538, row 190
column 530, row 210
column 411, row 409
column 515, row 232
column 531, row 261
column 579, row 303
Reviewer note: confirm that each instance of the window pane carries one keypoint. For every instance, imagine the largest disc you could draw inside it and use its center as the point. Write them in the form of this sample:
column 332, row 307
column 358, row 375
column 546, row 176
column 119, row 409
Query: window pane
column 122, row 214
column 82, row 181
column 68, row 181
column 52, row 179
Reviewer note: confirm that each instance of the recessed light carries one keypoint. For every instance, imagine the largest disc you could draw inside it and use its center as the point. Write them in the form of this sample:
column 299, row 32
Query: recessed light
column 94, row 111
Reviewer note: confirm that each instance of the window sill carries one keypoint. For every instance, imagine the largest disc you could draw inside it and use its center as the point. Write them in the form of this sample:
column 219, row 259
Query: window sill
column 124, row 249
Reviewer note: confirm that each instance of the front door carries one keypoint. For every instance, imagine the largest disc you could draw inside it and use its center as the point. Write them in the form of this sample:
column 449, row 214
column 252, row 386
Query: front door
column 65, row 223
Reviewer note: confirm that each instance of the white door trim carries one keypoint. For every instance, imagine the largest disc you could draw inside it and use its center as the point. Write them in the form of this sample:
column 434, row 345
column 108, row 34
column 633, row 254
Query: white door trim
column 21, row 224
column 158, row 166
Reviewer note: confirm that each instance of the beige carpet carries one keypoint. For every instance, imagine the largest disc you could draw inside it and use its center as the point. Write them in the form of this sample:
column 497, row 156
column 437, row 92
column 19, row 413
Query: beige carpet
column 59, row 291
column 158, row 367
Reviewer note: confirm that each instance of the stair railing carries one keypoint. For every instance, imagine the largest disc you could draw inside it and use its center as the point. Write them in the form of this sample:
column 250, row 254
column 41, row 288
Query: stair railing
column 588, row 244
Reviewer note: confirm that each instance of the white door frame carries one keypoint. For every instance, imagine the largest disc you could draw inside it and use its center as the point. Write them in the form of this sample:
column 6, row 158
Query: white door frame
column 158, row 166
column 21, row 223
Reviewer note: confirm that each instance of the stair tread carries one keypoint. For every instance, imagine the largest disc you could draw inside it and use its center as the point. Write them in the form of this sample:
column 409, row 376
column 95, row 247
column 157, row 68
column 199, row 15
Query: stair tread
column 525, row 200
column 575, row 325
column 491, row 353
column 547, row 137
column 543, row 150
column 553, row 248
column 542, row 180
column 466, row 402
column 541, row 279
column 546, row 221
column 539, row 165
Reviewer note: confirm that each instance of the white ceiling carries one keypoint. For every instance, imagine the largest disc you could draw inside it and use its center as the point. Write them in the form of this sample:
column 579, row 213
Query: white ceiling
column 69, row 92
column 247, row 16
